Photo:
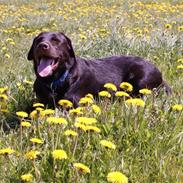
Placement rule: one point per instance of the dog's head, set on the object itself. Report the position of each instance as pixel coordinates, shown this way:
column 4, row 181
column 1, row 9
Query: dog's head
column 52, row 53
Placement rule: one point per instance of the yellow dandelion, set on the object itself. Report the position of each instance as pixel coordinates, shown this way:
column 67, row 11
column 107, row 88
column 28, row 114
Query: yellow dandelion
column 105, row 94
column 55, row 120
column 20, row 86
column 117, row 177
column 27, row 177
column 3, row 90
column 9, row 40
column 12, row 43
column 81, row 167
column 25, row 124
column 177, row 107
column 3, row 97
column 86, row 120
column 103, row 30
column 145, row 91
column 92, row 129
column 79, row 125
column 96, row 109
column 168, row 26
column 86, row 100
column 174, row 22
column 180, row 66
column 34, row 114
column 121, row 94
column 136, row 102
column 32, row 154
column 126, row 86
column 4, row 110
column 22, row 114
column 89, row 95
column 39, row 109
column 4, row 48
column 65, row 103
column 180, row 28
column 36, row 140
column 59, row 154
column 28, row 82
column 110, row 86
column 77, row 111
column 180, row 60
column 146, row 30
column 155, row 57
column 38, row 105
column 82, row 36
column 70, row 133
column 108, row 144
column 6, row 151
column 7, row 56
column 47, row 112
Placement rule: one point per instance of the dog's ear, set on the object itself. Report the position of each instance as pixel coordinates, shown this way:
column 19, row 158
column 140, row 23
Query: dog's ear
column 71, row 50
column 69, row 44
column 30, row 53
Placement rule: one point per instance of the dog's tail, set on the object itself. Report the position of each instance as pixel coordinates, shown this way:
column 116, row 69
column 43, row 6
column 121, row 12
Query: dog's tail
column 167, row 88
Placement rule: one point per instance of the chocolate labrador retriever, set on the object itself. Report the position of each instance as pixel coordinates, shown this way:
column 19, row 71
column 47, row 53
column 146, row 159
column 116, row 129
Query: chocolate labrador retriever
column 62, row 75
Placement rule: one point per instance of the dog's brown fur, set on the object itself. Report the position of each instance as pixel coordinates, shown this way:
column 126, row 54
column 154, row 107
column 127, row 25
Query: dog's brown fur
column 53, row 56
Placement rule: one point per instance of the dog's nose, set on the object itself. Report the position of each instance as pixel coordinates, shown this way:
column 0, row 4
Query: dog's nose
column 44, row 45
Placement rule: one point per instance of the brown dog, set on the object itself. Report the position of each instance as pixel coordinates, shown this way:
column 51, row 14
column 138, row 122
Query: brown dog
column 60, row 74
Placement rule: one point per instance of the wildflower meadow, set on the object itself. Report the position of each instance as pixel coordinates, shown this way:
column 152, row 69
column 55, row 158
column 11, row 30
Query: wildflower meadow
column 116, row 138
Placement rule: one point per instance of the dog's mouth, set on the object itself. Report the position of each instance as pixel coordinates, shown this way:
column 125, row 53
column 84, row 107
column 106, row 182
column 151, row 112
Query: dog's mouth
column 46, row 66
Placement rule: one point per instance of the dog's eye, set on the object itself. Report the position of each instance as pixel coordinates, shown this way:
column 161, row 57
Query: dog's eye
column 39, row 39
column 55, row 40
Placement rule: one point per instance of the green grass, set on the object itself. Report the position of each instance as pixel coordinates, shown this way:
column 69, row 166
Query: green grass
column 149, row 140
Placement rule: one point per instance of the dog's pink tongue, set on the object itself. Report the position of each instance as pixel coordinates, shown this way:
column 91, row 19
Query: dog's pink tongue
column 45, row 67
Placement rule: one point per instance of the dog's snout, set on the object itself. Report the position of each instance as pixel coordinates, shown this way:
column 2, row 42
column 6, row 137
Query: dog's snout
column 44, row 46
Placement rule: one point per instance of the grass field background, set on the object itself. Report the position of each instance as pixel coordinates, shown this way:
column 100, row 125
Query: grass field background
column 148, row 139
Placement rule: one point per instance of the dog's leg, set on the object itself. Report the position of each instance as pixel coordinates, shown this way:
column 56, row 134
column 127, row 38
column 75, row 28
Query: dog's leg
column 74, row 98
